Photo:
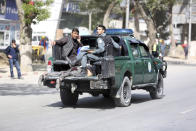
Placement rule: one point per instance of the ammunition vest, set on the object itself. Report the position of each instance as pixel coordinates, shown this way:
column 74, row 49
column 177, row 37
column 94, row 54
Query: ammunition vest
column 108, row 45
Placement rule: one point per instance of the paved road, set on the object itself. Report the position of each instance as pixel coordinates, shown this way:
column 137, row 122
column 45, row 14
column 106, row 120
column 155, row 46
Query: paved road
column 25, row 107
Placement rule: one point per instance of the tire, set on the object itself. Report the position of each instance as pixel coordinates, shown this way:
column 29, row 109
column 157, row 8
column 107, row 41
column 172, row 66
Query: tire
column 158, row 92
column 106, row 95
column 68, row 98
column 124, row 93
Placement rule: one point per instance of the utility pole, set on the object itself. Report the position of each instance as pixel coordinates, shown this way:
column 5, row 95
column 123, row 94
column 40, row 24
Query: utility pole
column 127, row 14
column 90, row 21
column 190, row 24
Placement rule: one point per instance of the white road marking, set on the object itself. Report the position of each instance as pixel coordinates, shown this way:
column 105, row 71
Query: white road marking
column 187, row 111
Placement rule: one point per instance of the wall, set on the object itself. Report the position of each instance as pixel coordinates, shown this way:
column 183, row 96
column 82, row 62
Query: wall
column 49, row 26
column 9, row 24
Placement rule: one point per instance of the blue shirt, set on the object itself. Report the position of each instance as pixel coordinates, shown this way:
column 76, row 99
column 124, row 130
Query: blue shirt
column 12, row 51
column 44, row 44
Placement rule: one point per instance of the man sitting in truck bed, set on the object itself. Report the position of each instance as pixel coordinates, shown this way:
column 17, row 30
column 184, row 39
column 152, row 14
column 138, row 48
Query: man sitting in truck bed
column 95, row 55
column 69, row 46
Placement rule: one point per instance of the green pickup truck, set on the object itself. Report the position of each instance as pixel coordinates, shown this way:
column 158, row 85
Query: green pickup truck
column 132, row 67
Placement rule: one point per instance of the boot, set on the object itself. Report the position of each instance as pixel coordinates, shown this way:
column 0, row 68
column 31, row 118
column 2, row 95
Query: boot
column 83, row 71
column 73, row 63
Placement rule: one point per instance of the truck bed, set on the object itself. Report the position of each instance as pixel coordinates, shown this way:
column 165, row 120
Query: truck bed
column 86, row 78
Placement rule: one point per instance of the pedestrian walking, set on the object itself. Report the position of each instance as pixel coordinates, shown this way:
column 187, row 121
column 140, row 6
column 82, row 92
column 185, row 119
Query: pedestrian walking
column 162, row 46
column 156, row 48
column 44, row 44
column 12, row 53
column 185, row 47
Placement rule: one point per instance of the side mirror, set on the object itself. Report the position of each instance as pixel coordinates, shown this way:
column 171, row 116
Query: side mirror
column 135, row 53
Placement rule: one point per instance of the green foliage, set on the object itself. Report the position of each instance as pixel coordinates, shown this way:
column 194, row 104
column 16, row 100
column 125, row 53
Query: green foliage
column 158, row 11
column 98, row 8
column 157, row 5
column 36, row 12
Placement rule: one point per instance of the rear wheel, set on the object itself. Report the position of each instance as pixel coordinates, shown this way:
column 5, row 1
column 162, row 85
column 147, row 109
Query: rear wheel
column 158, row 92
column 67, row 97
column 124, row 93
column 106, row 95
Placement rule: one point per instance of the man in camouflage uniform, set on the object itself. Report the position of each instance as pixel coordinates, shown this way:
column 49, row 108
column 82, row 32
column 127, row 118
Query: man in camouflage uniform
column 97, row 54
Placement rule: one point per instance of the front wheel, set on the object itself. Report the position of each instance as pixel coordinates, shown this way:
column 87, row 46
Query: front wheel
column 158, row 92
column 124, row 92
column 68, row 98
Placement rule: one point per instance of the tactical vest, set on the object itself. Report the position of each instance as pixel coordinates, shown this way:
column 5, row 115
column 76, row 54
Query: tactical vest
column 154, row 47
column 108, row 45
column 67, row 47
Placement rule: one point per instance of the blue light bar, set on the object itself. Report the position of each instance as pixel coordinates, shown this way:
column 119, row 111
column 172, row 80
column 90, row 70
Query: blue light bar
column 118, row 32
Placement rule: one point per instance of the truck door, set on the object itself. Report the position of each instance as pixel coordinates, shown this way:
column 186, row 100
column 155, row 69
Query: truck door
column 148, row 68
column 138, row 65
column 122, row 62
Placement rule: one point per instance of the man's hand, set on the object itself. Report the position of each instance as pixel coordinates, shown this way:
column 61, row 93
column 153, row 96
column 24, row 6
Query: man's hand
column 14, row 45
column 9, row 56
column 90, row 51
column 53, row 43
column 79, row 39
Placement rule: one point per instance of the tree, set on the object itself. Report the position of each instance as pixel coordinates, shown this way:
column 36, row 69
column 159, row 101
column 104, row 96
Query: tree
column 108, row 11
column 170, row 6
column 101, row 10
column 30, row 12
column 135, row 13
column 155, row 13
column 149, row 22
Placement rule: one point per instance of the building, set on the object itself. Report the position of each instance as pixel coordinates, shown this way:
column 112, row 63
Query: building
column 9, row 24
column 72, row 16
column 181, row 18
column 65, row 14
column 184, row 15
column 48, row 27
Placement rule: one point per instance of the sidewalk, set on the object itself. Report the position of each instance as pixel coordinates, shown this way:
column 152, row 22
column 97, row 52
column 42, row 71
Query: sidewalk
column 179, row 61
column 28, row 78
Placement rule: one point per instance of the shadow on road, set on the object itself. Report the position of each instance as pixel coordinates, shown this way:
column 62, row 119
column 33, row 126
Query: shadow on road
column 96, row 102
column 2, row 70
column 101, row 102
column 140, row 98
column 88, row 102
column 24, row 89
column 39, row 67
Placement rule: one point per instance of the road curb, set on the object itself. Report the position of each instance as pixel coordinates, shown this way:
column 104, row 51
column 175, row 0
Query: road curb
column 181, row 62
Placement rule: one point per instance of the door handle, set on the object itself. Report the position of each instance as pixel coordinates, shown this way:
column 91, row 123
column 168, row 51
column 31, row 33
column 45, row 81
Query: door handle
column 145, row 62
